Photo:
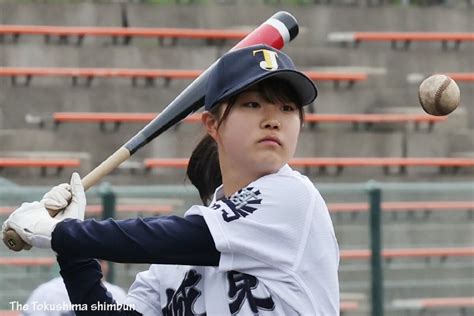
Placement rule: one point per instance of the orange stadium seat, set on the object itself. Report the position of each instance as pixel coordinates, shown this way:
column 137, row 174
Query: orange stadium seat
column 349, row 306
column 95, row 209
column 127, row 208
column 461, row 76
column 341, row 163
column 355, row 119
column 43, row 163
column 362, row 254
column 417, row 78
column 404, row 206
column 401, row 206
column 337, row 77
column 353, row 254
column 113, row 118
column 368, row 119
column 28, row 261
column 404, row 37
column 334, row 208
column 88, row 74
column 424, row 304
column 10, row 313
column 64, row 32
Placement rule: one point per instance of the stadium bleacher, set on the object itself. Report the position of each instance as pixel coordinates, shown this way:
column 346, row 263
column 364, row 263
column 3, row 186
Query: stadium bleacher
column 148, row 75
column 367, row 120
column 340, row 163
column 63, row 33
column 425, row 304
column 416, row 78
column 405, row 38
column 43, row 163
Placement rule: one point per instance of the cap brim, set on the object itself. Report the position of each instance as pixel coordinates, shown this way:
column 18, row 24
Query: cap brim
column 302, row 84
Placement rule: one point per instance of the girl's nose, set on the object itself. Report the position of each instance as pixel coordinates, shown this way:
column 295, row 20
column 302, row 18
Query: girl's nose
column 270, row 117
column 271, row 124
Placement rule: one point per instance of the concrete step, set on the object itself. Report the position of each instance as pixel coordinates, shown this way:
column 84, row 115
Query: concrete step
column 126, row 177
column 140, row 55
column 318, row 19
column 408, row 235
column 85, row 14
column 345, row 143
column 44, row 100
column 180, row 142
column 61, row 143
column 408, row 270
column 416, row 288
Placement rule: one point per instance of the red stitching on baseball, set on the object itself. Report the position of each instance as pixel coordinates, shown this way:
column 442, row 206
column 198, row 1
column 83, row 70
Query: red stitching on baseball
column 440, row 91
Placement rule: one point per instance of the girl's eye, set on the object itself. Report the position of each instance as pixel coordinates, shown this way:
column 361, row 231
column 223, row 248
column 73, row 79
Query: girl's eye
column 288, row 108
column 251, row 105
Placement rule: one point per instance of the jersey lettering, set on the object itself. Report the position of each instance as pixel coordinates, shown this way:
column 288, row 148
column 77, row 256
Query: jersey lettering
column 240, row 291
column 240, row 204
column 181, row 301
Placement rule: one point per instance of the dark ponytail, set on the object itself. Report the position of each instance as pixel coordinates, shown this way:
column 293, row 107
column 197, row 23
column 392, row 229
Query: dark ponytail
column 204, row 170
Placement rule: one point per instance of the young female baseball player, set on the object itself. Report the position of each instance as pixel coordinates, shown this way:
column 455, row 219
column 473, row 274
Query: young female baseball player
column 262, row 243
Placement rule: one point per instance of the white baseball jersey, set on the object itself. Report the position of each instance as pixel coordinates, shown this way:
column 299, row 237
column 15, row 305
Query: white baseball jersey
column 279, row 256
column 51, row 299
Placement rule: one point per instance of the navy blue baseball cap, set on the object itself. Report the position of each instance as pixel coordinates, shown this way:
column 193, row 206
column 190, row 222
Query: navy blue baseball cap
column 237, row 70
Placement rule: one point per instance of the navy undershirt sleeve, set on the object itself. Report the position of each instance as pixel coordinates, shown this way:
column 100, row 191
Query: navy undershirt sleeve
column 160, row 240
column 88, row 295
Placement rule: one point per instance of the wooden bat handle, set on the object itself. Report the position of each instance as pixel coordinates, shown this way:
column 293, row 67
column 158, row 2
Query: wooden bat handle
column 109, row 164
column 13, row 241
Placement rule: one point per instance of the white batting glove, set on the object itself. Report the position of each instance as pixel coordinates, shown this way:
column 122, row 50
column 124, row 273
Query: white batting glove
column 32, row 222
column 67, row 197
column 58, row 197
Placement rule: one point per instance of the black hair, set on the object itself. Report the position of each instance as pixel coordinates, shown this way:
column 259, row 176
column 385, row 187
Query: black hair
column 203, row 169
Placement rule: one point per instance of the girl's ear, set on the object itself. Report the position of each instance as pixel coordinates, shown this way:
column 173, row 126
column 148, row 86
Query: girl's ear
column 210, row 124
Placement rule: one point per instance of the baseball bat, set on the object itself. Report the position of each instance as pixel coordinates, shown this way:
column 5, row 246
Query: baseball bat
column 278, row 30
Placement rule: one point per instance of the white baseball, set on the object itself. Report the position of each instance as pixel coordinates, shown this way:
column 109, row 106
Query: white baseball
column 439, row 95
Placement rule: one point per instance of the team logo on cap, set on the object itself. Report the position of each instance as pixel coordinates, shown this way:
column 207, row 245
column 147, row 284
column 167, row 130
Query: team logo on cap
column 269, row 59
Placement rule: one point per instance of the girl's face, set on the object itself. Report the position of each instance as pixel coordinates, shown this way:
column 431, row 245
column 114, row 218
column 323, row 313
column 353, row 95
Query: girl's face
column 258, row 137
